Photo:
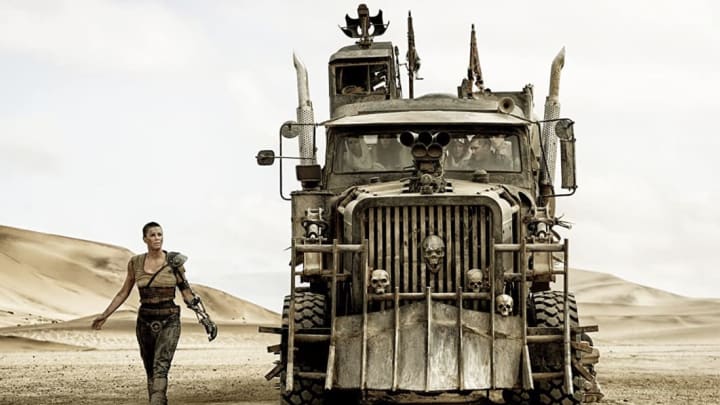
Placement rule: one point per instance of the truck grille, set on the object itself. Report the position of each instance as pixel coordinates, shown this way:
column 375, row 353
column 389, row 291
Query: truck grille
column 395, row 236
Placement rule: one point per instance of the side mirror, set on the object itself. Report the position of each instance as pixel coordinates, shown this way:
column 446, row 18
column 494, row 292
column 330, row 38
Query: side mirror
column 290, row 129
column 265, row 158
column 564, row 132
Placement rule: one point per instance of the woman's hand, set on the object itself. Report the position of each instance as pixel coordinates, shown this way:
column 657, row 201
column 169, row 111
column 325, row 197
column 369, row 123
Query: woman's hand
column 118, row 300
column 99, row 322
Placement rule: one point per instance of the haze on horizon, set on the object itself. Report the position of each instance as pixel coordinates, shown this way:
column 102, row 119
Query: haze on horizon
column 116, row 113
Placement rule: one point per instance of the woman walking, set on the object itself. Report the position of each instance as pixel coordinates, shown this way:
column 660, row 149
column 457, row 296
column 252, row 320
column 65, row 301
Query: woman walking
column 157, row 274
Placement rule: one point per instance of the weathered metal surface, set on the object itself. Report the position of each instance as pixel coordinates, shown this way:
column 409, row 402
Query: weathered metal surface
column 566, row 323
column 426, row 117
column 290, row 357
column 380, row 50
column 438, row 103
column 441, row 360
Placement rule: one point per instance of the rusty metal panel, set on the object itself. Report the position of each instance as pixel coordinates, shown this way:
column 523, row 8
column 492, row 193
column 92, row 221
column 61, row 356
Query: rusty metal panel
column 447, row 235
column 406, row 229
column 432, row 230
column 456, row 253
column 483, row 238
column 396, row 248
column 415, row 263
column 421, row 238
column 466, row 239
column 380, row 239
column 442, row 358
column 387, row 213
column 371, row 237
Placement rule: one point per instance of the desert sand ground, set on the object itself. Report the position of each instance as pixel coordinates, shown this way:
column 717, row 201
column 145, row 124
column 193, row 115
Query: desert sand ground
column 232, row 373
column 656, row 347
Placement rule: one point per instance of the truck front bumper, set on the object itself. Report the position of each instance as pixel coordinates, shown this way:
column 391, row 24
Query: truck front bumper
column 427, row 347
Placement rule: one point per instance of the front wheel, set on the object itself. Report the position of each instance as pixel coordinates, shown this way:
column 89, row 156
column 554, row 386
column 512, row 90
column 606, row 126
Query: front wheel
column 549, row 311
column 310, row 312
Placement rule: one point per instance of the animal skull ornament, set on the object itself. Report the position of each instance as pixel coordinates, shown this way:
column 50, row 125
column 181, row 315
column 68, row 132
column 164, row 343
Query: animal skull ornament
column 474, row 280
column 504, row 304
column 379, row 281
column 433, row 252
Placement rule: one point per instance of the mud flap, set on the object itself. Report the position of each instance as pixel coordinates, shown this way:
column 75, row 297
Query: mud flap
column 432, row 365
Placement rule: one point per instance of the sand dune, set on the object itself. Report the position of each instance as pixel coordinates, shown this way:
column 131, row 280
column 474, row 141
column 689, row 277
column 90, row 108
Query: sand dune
column 23, row 344
column 592, row 286
column 50, row 278
column 631, row 313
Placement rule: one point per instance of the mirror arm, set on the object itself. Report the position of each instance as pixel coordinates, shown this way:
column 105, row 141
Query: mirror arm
column 564, row 195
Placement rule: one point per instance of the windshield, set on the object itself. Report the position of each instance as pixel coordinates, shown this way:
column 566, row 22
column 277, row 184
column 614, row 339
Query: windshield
column 495, row 151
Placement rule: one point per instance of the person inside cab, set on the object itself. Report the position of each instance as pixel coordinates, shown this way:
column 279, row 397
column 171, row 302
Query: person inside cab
column 484, row 156
column 458, row 152
column 391, row 154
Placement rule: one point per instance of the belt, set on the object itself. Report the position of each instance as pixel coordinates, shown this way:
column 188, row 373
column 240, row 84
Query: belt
column 156, row 294
column 159, row 311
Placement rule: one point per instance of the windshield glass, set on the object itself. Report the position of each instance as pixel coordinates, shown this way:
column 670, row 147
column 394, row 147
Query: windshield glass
column 495, row 151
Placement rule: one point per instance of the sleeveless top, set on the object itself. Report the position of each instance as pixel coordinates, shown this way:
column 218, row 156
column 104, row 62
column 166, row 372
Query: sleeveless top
column 165, row 278
column 162, row 289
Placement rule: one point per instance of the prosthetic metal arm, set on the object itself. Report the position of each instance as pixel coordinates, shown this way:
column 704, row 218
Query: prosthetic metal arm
column 196, row 305
column 176, row 260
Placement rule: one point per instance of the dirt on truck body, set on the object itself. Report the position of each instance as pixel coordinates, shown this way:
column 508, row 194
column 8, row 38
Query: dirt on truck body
column 424, row 248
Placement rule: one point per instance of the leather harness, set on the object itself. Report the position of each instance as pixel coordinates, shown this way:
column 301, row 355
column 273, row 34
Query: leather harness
column 157, row 301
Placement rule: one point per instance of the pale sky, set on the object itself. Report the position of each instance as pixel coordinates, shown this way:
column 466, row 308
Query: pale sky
column 115, row 113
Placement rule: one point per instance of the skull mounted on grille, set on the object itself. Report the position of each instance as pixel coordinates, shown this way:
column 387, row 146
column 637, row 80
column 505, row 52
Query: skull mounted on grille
column 379, row 281
column 434, row 252
column 504, row 304
column 475, row 280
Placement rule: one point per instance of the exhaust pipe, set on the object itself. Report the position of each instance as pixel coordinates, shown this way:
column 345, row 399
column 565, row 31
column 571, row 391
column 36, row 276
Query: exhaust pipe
column 552, row 111
column 305, row 115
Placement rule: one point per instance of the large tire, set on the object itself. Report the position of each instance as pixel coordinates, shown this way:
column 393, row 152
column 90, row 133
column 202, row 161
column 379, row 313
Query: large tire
column 549, row 312
column 518, row 397
column 310, row 310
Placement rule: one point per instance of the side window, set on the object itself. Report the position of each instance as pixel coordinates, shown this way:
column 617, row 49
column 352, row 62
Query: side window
column 378, row 78
column 361, row 79
column 351, row 80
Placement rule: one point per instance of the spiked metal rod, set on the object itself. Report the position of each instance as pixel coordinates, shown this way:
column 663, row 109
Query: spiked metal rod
column 413, row 60
column 474, row 65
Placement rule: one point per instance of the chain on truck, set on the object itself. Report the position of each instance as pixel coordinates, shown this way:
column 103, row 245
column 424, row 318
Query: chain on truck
column 425, row 248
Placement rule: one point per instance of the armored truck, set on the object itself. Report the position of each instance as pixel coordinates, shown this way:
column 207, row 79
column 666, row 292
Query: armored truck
column 425, row 263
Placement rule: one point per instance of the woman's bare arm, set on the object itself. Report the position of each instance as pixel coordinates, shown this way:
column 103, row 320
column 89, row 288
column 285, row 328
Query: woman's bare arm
column 118, row 300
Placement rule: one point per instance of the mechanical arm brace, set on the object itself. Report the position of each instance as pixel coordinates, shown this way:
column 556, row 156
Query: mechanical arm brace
column 176, row 260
